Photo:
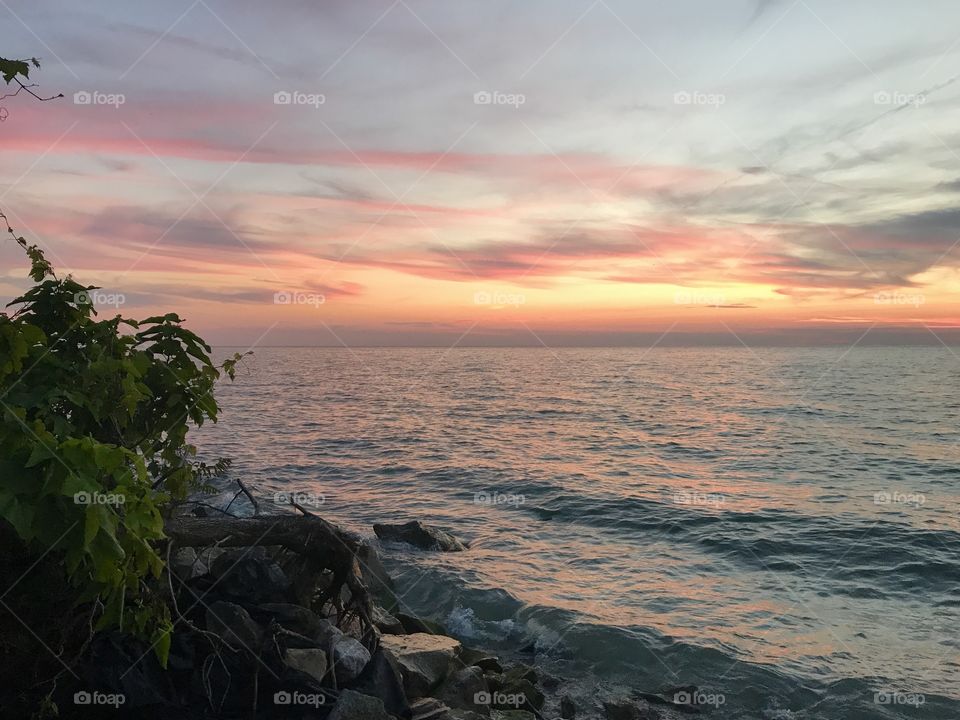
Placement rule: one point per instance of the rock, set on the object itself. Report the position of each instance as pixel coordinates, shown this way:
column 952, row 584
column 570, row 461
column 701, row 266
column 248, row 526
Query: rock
column 521, row 672
column 381, row 678
column 419, row 535
column 386, row 623
column 413, row 624
column 294, row 617
column 312, row 661
column 374, row 574
column 116, row 663
column 350, row 657
column 568, row 708
column 487, row 663
column 530, row 698
column 454, row 714
column 355, row 706
column 626, row 710
column 429, row 709
column 512, row 715
column 249, row 576
column 424, row 660
column 466, row 689
column 232, row 624
column 183, row 564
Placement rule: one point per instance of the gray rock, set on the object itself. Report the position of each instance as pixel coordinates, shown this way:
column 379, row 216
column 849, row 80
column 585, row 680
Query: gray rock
column 413, row 624
column 349, row 659
column 232, row 624
column 568, row 708
column 512, row 715
column 533, row 699
column 294, row 617
column 184, row 564
column 627, row 710
column 429, row 709
column 248, row 575
column 382, row 679
column 465, row 689
column 386, row 623
column 312, row 661
column 355, row 706
column 424, row 660
column 419, row 535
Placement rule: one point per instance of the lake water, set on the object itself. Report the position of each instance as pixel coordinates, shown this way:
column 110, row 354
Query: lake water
column 776, row 526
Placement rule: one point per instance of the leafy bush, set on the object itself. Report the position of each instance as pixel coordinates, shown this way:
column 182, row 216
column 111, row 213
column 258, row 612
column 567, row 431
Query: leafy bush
column 94, row 417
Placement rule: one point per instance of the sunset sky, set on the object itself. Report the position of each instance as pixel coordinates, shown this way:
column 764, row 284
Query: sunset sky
column 575, row 172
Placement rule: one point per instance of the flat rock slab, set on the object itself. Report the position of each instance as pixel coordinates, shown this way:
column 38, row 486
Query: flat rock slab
column 424, row 660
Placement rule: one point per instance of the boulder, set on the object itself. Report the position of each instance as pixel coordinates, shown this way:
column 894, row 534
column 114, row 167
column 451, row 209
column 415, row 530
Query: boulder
column 568, row 708
column 232, row 624
column 531, row 697
column 248, row 575
column 466, row 689
column 185, row 564
column 413, row 624
column 386, row 623
column 429, row 709
column 627, row 710
column 424, row 660
column 295, row 618
column 419, row 535
column 382, row 679
column 312, row 661
column 350, row 657
column 487, row 663
column 352, row 705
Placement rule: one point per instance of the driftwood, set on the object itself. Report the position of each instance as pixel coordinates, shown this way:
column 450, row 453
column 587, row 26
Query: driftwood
column 323, row 545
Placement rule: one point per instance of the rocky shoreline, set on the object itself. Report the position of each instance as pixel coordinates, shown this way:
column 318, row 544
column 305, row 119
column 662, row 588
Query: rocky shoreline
column 259, row 637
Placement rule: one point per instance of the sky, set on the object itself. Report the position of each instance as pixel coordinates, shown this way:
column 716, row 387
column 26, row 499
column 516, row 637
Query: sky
column 551, row 172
